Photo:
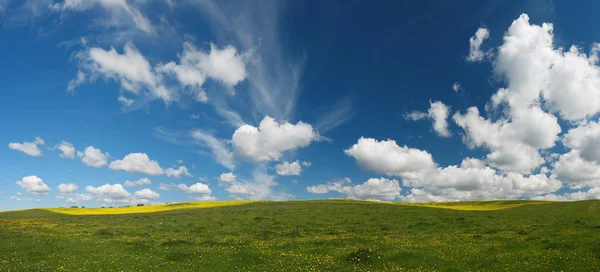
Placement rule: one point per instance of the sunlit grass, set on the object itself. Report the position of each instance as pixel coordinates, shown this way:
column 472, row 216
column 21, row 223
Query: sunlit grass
column 148, row 209
column 321, row 235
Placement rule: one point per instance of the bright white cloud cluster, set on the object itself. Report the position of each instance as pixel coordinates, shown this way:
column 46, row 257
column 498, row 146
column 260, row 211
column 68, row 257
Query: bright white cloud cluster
column 116, row 193
column 137, row 162
column 67, row 150
column 290, row 168
column 195, row 67
column 227, row 178
column 177, row 173
column 29, row 148
column 380, row 189
column 270, row 139
column 34, row 185
column 201, row 191
column 135, row 73
column 93, row 157
column 386, row 157
column 67, row 188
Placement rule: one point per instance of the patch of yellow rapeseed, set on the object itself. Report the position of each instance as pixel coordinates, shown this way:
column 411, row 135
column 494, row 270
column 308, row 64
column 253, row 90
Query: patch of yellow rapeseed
column 147, row 209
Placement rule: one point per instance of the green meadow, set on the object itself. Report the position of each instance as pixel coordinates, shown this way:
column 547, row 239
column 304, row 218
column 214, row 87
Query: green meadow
column 326, row 235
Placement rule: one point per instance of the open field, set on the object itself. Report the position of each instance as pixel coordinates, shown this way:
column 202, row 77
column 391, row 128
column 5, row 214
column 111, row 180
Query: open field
column 324, row 235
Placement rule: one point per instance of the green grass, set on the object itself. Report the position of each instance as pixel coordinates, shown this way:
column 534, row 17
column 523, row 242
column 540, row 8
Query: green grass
column 326, row 235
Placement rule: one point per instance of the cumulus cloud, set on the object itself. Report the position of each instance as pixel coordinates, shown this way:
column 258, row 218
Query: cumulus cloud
column 146, row 194
column 225, row 65
column 34, row 185
column 438, row 113
column 387, row 157
column 288, row 169
column 513, row 143
column 335, row 186
column 131, row 69
column 137, row 162
column 380, row 189
column 93, row 157
column 177, row 173
column 196, row 188
column 109, row 193
column 591, row 193
column 139, row 182
column 67, row 149
column 67, row 188
column 473, row 179
column 271, row 138
column 29, row 148
column 475, row 53
column 227, row 178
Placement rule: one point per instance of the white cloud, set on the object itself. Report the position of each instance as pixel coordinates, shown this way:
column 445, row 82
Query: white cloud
column 109, row 193
column 575, row 171
column 438, row 113
column 67, row 188
column 67, row 149
column 386, row 157
column 586, row 139
column 227, row 178
column 218, row 148
column 34, row 185
column 131, row 69
column 137, row 162
column 513, row 143
column 146, row 194
column 93, row 157
column 194, row 117
column 475, row 53
column 271, row 138
column 569, row 81
column 196, row 188
column 142, row 181
column 226, row 66
column 474, row 180
column 288, row 169
column 29, row 148
column 335, row 186
column 177, row 173
column 373, row 189
column 82, row 197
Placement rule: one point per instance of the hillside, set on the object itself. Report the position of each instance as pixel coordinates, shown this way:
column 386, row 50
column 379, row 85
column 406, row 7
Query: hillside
column 325, row 235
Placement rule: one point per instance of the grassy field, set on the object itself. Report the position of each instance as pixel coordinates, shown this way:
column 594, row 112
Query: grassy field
column 328, row 235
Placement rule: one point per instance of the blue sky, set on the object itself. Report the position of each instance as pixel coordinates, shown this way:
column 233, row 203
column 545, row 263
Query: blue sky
column 203, row 100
